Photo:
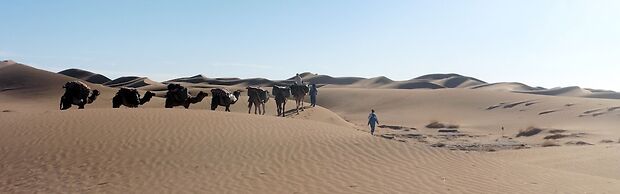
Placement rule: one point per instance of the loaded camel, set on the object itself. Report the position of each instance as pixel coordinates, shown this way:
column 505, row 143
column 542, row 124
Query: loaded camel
column 178, row 95
column 223, row 97
column 77, row 93
column 281, row 93
column 257, row 97
column 130, row 97
column 299, row 92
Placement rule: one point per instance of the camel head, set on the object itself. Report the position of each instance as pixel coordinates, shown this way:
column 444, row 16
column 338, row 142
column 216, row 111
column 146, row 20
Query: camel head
column 147, row 97
column 236, row 93
column 201, row 95
column 93, row 96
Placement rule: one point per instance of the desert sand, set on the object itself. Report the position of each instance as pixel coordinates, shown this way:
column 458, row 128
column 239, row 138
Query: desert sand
column 567, row 138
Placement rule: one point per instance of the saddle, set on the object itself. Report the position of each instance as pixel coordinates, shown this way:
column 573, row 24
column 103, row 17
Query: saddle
column 281, row 91
column 76, row 90
column 178, row 92
column 223, row 94
column 125, row 90
column 297, row 89
column 257, row 92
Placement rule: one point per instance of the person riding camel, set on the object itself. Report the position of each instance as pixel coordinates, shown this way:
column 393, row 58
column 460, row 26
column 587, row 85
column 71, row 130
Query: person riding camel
column 298, row 80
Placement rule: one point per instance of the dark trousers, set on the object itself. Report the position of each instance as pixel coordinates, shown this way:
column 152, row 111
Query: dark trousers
column 312, row 100
column 372, row 128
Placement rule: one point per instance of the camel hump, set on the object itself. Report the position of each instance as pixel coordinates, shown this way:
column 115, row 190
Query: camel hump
column 280, row 87
column 125, row 90
column 175, row 86
column 220, row 92
column 298, row 89
column 76, row 89
column 178, row 92
column 282, row 91
column 255, row 90
column 76, row 85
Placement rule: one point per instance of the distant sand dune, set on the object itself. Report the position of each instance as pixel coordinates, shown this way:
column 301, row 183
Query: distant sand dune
column 86, row 75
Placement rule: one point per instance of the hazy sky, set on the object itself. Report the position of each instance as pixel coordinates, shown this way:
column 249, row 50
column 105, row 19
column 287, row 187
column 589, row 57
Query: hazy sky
column 537, row 42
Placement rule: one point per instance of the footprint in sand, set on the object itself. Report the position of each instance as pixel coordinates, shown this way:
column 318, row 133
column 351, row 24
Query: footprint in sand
column 518, row 103
column 547, row 112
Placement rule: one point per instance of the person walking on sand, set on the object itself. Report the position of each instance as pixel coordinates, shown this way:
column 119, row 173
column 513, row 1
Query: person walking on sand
column 298, row 80
column 372, row 120
column 313, row 93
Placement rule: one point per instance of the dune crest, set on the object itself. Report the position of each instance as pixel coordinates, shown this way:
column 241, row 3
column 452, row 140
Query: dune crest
column 86, row 75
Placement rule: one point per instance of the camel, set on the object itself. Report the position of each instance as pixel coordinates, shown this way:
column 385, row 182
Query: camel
column 77, row 93
column 257, row 97
column 130, row 97
column 222, row 97
column 281, row 93
column 178, row 95
column 299, row 92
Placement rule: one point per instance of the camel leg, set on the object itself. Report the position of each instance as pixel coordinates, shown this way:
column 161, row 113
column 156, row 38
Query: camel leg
column 258, row 108
column 168, row 103
column 64, row 104
column 249, row 107
column 227, row 108
column 214, row 103
column 302, row 103
column 116, row 103
column 263, row 108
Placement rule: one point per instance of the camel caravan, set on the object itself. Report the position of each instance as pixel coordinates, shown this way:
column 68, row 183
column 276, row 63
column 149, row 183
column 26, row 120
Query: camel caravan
column 78, row 93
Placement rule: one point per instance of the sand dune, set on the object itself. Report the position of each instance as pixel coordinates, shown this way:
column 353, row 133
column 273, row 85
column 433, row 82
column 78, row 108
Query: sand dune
column 430, row 81
column 325, row 149
column 132, row 82
column 194, row 79
column 199, row 151
column 479, row 112
column 451, row 80
column 505, row 87
column 573, row 91
column 22, row 81
column 86, row 75
column 414, row 84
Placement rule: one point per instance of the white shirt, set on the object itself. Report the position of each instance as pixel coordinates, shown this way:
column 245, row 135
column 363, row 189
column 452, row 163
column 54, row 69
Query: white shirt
column 298, row 80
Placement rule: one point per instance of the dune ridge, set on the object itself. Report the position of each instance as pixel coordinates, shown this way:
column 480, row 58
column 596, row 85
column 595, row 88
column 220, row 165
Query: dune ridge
column 86, row 76
column 430, row 81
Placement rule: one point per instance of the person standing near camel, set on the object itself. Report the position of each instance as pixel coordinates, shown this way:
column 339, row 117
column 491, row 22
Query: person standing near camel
column 313, row 93
column 372, row 120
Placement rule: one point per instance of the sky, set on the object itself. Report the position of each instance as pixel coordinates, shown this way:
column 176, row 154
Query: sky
column 548, row 43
